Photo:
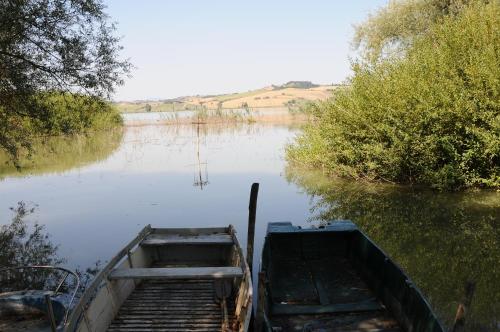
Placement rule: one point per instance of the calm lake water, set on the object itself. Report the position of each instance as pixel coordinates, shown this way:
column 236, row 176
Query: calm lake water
column 94, row 194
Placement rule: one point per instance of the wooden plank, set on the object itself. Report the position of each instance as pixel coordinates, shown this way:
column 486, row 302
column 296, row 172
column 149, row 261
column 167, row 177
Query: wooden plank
column 190, row 231
column 193, row 312
column 168, row 239
column 295, row 309
column 178, row 273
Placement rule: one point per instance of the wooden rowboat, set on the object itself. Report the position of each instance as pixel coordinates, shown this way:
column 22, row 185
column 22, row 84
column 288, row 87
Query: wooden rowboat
column 334, row 278
column 170, row 280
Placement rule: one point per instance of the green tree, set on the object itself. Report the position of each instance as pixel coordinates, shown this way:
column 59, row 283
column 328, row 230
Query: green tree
column 393, row 28
column 431, row 116
column 52, row 46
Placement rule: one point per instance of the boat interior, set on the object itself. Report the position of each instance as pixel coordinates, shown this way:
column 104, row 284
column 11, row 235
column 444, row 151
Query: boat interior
column 335, row 281
column 172, row 280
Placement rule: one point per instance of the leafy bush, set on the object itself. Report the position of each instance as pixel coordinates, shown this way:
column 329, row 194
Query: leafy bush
column 430, row 117
column 57, row 114
column 70, row 114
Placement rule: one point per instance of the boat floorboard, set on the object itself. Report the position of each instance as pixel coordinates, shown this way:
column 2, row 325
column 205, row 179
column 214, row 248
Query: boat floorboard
column 354, row 322
column 172, row 305
column 311, row 293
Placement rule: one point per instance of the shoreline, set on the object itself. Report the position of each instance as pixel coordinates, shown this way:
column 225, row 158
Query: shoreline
column 274, row 117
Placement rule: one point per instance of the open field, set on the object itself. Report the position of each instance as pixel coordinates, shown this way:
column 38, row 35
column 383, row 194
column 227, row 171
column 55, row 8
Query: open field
column 289, row 95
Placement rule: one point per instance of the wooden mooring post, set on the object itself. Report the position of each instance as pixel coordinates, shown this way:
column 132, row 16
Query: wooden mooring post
column 252, row 210
column 463, row 307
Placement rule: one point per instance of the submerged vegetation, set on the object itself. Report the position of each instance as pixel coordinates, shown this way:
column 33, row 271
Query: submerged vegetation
column 423, row 104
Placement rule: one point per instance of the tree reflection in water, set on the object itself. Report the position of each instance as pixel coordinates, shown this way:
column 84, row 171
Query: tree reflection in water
column 62, row 153
column 26, row 244
column 442, row 240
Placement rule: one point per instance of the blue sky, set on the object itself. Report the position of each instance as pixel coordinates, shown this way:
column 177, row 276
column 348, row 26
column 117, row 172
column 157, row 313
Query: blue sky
column 209, row 47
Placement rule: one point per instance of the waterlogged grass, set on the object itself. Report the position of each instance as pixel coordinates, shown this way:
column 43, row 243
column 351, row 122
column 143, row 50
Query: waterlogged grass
column 61, row 153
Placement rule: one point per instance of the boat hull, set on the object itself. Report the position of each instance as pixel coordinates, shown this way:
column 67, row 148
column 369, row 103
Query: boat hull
column 335, row 278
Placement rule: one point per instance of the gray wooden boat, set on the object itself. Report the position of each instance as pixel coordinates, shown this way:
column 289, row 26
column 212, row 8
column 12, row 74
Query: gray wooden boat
column 170, row 280
column 334, row 278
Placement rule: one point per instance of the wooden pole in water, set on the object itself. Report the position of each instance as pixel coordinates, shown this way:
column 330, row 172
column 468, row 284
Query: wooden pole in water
column 261, row 302
column 252, row 209
column 463, row 307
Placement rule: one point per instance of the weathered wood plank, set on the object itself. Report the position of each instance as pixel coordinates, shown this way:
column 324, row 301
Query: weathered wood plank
column 193, row 311
column 170, row 239
column 295, row 309
column 178, row 273
column 190, row 231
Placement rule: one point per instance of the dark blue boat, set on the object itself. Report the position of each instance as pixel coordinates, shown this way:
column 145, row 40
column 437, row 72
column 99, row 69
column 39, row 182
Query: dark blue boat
column 35, row 310
column 334, row 278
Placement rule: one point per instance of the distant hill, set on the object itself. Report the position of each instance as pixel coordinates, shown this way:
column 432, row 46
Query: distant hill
column 297, row 84
column 292, row 93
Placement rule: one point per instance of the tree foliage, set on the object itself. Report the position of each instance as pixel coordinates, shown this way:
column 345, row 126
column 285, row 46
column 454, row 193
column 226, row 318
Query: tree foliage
column 64, row 46
column 394, row 28
column 430, row 117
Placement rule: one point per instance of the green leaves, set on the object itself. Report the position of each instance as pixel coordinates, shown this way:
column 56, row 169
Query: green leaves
column 429, row 117
column 53, row 45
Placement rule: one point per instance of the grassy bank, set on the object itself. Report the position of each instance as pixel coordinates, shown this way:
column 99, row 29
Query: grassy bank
column 430, row 116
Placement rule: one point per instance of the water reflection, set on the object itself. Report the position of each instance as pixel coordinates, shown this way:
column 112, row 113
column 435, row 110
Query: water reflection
column 200, row 178
column 93, row 198
column 93, row 210
column 442, row 240
column 59, row 154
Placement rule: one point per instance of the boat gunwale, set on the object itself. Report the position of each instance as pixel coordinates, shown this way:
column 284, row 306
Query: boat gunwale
column 341, row 226
column 89, row 294
column 90, row 291
column 247, row 274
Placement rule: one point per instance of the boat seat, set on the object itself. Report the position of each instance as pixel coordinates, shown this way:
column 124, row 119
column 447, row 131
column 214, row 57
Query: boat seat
column 178, row 273
column 166, row 239
column 299, row 309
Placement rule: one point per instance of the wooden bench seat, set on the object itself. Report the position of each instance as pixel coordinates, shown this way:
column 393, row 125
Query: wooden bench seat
column 298, row 309
column 166, row 239
column 177, row 273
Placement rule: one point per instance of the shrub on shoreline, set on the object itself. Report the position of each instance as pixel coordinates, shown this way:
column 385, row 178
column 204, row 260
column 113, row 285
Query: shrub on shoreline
column 431, row 117
column 72, row 114
column 57, row 114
